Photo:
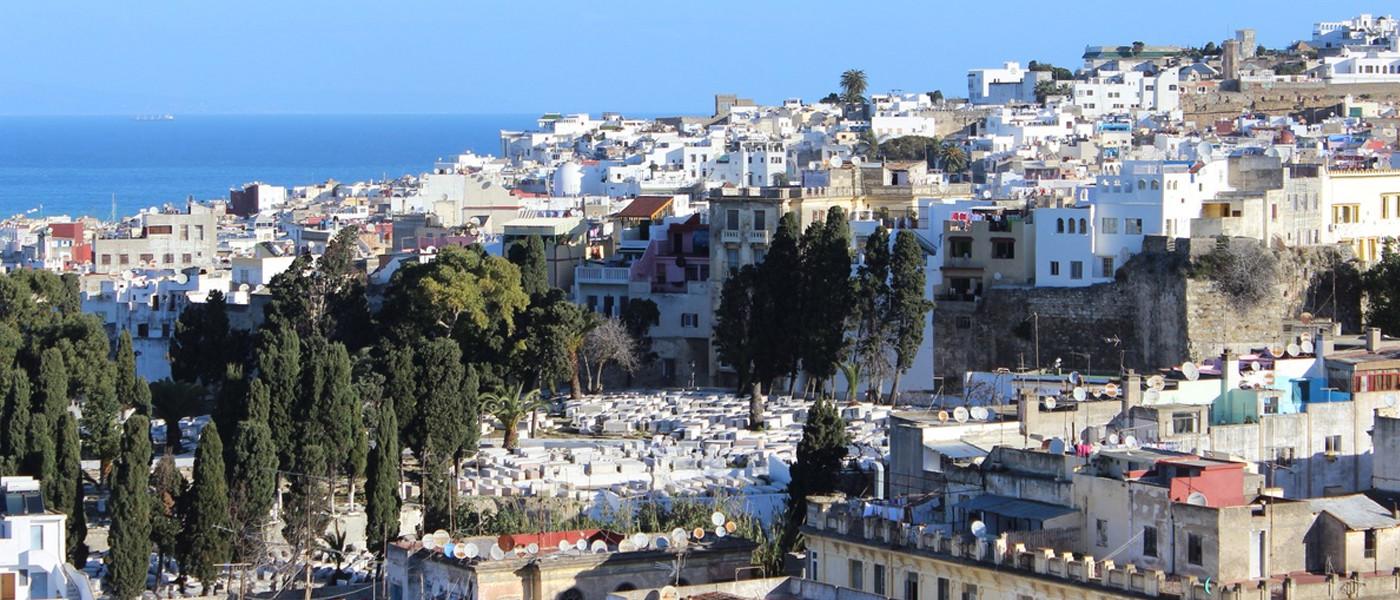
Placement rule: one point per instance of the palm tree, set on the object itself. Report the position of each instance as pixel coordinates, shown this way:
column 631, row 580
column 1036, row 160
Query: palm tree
column 954, row 159
column 510, row 407
column 335, row 545
column 853, row 86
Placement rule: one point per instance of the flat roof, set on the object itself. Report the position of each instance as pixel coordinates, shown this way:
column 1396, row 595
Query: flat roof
column 1014, row 507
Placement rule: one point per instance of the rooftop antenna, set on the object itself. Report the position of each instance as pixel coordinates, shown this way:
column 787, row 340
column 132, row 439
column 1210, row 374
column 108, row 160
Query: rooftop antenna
column 114, row 207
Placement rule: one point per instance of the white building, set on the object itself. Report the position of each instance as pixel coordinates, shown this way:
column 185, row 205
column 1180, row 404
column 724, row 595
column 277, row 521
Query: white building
column 1009, row 84
column 1363, row 65
column 33, row 550
column 1128, row 92
column 1361, row 30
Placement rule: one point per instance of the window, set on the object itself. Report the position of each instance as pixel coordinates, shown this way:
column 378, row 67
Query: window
column 1003, row 248
column 167, row 258
column 857, row 572
column 812, row 568
column 1333, row 444
column 36, row 537
column 690, row 320
column 1132, row 226
column 731, row 219
column 125, row 259
column 960, row 247
column 878, row 580
column 969, row 591
column 1059, row 225
column 1193, row 549
column 1110, row 225
column 1149, row 541
column 1183, row 422
column 1055, row 267
column 186, row 258
column 1370, row 543
column 760, row 220
column 1107, row 266
column 1083, row 228
column 1071, row 225
column 1076, row 269
column 1101, row 533
column 106, row 259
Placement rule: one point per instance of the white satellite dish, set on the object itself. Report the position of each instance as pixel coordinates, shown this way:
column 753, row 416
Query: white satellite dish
column 1276, row 351
column 1130, row 441
column 1157, row 382
column 519, row 551
column 1197, row 499
column 1151, row 396
column 430, row 542
column 678, row 538
column 960, row 414
column 979, row 413
column 1255, row 366
column 1190, row 370
column 1075, row 377
column 1307, row 347
column 642, row 541
column 626, row 546
column 1049, row 402
column 565, row 546
column 472, row 550
column 1113, row 439
column 670, row 593
column 1293, row 349
column 717, row 519
column 720, row 532
column 942, row 416
column 442, row 537
column 835, row 162
column 979, row 529
column 1057, row 446
column 581, row 545
column 1079, row 394
column 497, row 553
column 856, row 161
column 459, row 551
column 599, row 546
column 532, row 549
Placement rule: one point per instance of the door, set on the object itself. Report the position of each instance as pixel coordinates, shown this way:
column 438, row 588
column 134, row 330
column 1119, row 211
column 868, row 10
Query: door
column 7, row 587
column 1256, row 555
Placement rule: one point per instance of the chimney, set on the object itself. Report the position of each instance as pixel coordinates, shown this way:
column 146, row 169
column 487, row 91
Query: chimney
column 1373, row 339
column 1132, row 390
column 1229, row 371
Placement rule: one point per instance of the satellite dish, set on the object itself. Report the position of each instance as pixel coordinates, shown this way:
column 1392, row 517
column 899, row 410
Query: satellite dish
column 1307, row 347
column 979, row 413
column 720, row 532
column 856, row 161
column 441, row 537
column 1079, row 394
column 942, row 416
column 532, row 549
column 730, row 527
column 472, row 550
column 1190, row 370
column 1157, row 382
column 997, row 275
column 519, row 551
column 661, row 542
column 459, row 551
column 1293, row 349
column 1151, row 396
column 1075, row 377
column 599, row 546
column 979, row 529
column 642, row 541
column 835, row 162
column 449, row 549
column 1276, row 351
column 626, row 546
column 1130, row 441
column 1057, row 446
column 1255, row 366
column 497, row 553
column 581, row 545
column 1197, row 499
column 565, row 546
column 1049, row 403
column 960, row 414
column 717, row 519
column 1113, row 439
column 430, row 542
column 1110, row 389
column 670, row 593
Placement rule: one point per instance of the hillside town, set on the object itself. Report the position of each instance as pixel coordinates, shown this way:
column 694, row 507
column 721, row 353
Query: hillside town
column 1122, row 329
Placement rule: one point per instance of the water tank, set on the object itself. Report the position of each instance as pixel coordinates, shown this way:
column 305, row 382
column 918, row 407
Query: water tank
column 568, row 179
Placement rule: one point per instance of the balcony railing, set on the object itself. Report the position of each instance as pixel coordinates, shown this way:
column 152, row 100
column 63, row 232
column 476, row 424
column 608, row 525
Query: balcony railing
column 730, row 236
column 758, row 237
column 602, row 274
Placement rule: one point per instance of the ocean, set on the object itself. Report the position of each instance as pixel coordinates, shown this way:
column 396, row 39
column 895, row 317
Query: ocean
column 74, row 165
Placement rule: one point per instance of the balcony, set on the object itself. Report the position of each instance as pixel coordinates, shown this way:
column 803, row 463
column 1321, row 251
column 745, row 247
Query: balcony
column 605, row 275
column 758, row 237
column 731, row 236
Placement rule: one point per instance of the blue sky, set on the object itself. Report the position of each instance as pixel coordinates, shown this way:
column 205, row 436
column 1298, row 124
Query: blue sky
column 463, row 56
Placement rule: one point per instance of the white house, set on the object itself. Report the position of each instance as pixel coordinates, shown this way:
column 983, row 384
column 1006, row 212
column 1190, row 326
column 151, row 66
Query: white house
column 1363, row 66
column 1130, row 92
column 1006, row 85
column 1361, row 30
column 33, row 546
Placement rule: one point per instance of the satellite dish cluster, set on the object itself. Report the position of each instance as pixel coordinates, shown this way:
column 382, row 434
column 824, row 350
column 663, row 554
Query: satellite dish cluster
column 505, row 546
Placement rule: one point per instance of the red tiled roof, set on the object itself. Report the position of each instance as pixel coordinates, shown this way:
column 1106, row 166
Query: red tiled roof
column 645, row 207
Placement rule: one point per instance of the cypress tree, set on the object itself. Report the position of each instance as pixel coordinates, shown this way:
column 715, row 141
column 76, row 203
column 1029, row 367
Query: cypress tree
column 207, row 522
column 778, row 286
column 14, row 445
column 169, row 488
column 130, row 535
column 69, row 497
column 437, row 490
column 42, row 463
column 907, row 306
column 381, row 485
column 528, row 254
column 132, row 390
column 871, row 311
column 400, row 386
column 53, row 384
column 259, row 402
column 141, row 396
column 303, row 517
column 336, row 410
column 278, row 359
column 100, row 412
column 827, row 273
column 253, row 477
column 819, row 458
column 77, row 526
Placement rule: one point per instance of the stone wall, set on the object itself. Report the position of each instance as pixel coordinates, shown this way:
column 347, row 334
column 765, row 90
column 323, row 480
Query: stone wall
column 1277, row 98
column 1155, row 314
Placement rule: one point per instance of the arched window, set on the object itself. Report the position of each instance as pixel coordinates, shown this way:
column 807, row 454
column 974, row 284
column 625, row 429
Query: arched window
column 1154, row 185
column 1071, row 225
column 1142, row 184
column 1082, row 228
column 1059, row 225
